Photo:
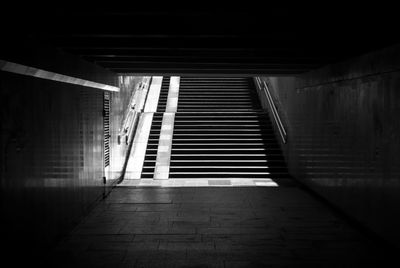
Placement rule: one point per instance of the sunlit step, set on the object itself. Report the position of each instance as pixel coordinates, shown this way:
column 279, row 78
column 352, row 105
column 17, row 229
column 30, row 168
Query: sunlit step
column 219, row 161
column 237, row 146
column 273, row 176
column 214, row 82
column 232, row 113
column 213, row 102
column 218, row 170
column 223, row 113
column 216, row 94
column 218, row 129
column 271, row 163
column 227, row 122
column 219, row 144
column 221, row 173
column 176, row 150
column 224, row 140
column 205, row 145
column 200, row 110
column 216, row 107
column 230, row 88
column 223, row 161
column 218, row 118
column 221, row 126
column 183, row 99
column 221, row 134
column 224, row 155
column 221, row 167
column 213, row 78
column 215, row 99
column 262, row 136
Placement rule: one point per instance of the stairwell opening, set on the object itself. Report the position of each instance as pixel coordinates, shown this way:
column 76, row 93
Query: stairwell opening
column 204, row 132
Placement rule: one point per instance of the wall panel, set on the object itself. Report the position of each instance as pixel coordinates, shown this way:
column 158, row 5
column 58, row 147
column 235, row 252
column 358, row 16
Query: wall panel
column 51, row 155
column 344, row 136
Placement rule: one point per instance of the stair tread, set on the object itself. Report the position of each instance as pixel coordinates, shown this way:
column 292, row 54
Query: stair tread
column 222, row 167
column 225, row 173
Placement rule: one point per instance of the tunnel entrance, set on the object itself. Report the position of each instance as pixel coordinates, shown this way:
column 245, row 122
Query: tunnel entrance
column 204, row 131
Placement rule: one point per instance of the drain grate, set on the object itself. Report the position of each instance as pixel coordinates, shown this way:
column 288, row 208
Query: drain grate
column 219, row 182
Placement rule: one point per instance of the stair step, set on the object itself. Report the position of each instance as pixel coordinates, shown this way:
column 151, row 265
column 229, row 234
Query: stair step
column 229, row 162
column 202, row 169
column 220, row 126
column 233, row 146
column 219, row 144
column 219, row 134
column 214, row 128
column 233, row 140
column 212, row 150
column 223, row 156
column 244, row 175
column 219, row 122
column 206, row 135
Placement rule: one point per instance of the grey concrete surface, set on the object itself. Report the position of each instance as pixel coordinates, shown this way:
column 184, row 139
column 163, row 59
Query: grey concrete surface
column 216, row 227
column 343, row 129
column 51, row 144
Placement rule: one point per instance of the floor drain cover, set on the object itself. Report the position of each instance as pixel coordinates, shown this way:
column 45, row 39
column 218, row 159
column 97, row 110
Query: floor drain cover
column 219, row 182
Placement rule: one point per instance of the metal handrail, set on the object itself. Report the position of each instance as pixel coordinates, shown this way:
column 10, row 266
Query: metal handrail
column 131, row 119
column 274, row 111
column 132, row 130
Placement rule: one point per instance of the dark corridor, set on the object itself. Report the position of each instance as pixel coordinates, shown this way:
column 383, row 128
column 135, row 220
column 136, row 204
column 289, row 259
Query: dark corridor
column 215, row 136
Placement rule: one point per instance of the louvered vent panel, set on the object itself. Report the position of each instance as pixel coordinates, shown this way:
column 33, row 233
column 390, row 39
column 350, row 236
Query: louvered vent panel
column 106, row 123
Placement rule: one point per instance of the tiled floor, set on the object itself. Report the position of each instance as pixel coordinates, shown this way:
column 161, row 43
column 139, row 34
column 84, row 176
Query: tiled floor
column 215, row 227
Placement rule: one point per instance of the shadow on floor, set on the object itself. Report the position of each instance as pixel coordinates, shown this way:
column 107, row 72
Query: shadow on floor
column 215, row 227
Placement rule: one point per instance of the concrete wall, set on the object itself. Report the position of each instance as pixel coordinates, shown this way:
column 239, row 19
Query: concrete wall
column 51, row 160
column 344, row 135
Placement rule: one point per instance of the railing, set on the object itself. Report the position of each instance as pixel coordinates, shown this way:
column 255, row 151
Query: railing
column 263, row 86
column 131, row 119
column 133, row 128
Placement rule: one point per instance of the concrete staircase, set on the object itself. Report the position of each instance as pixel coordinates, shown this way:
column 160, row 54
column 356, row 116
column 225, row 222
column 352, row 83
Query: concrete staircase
column 152, row 145
column 220, row 131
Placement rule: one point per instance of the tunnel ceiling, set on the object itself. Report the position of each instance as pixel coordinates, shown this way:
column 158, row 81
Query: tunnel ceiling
column 239, row 40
